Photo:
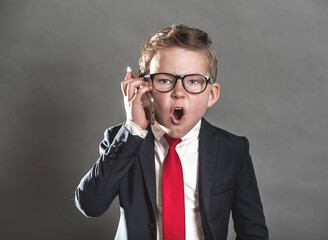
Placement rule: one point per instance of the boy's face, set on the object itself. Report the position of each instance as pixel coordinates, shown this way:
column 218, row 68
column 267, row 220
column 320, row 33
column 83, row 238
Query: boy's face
column 178, row 111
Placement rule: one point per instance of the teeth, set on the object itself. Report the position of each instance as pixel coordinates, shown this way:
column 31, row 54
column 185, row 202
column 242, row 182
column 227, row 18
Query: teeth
column 178, row 108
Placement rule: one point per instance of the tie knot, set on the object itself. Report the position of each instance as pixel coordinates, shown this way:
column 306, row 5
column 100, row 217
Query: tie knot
column 172, row 141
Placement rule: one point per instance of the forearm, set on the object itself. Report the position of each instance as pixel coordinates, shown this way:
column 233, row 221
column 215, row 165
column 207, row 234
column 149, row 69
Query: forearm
column 99, row 187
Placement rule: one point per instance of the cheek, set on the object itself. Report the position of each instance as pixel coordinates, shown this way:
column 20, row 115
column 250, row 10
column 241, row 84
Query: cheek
column 160, row 101
column 201, row 102
column 206, row 101
column 202, row 105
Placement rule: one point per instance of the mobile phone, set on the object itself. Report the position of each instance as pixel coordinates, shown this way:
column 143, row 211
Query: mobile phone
column 148, row 103
column 151, row 109
column 149, row 106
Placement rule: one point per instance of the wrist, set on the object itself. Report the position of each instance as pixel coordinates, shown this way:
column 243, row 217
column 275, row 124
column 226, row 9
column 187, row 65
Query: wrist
column 135, row 129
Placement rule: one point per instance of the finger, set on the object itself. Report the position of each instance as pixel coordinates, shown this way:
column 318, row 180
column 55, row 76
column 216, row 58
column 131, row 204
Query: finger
column 133, row 87
column 141, row 92
column 129, row 70
column 124, row 85
column 133, row 75
column 128, row 76
column 126, row 82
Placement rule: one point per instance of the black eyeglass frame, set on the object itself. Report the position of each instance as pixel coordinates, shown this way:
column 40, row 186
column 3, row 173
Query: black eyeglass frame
column 177, row 77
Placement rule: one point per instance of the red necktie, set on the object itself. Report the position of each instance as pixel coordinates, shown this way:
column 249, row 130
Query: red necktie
column 173, row 194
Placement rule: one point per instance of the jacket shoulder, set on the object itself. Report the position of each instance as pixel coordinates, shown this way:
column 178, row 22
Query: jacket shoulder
column 223, row 134
column 227, row 142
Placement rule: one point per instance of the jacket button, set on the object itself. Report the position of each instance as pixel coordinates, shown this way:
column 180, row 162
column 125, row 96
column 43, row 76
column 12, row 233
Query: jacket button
column 112, row 155
column 116, row 150
column 151, row 226
column 119, row 144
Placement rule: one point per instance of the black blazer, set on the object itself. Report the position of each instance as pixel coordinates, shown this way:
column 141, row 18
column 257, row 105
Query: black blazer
column 126, row 168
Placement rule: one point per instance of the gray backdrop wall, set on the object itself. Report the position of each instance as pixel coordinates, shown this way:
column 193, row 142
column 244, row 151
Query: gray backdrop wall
column 61, row 65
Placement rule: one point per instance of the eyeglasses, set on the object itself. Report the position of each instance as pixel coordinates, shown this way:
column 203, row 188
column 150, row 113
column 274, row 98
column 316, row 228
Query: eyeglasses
column 192, row 83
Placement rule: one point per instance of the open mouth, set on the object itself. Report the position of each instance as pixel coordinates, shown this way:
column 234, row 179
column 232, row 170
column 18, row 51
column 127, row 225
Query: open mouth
column 178, row 113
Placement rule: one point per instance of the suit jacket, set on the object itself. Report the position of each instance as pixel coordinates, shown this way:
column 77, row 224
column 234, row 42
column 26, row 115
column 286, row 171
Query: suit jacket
column 126, row 168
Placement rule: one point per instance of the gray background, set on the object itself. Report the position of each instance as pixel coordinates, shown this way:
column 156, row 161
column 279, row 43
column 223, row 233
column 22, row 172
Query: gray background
column 61, row 66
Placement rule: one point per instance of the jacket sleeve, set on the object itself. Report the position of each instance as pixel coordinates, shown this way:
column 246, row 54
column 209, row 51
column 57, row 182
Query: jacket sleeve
column 247, row 210
column 101, row 184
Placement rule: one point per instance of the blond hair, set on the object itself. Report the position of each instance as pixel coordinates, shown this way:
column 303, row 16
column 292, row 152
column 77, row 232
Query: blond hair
column 178, row 36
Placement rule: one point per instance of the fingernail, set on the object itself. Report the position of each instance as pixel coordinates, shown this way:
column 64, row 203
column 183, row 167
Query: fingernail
column 129, row 69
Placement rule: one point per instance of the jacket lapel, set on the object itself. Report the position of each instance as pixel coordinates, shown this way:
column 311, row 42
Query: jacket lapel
column 147, row 162
column 208, row 144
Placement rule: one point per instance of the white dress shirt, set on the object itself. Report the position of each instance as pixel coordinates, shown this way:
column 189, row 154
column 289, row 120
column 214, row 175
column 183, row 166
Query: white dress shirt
column 188, row 153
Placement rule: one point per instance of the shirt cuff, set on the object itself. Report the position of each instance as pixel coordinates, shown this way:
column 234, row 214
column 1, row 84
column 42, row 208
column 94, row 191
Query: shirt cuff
column 134, row 129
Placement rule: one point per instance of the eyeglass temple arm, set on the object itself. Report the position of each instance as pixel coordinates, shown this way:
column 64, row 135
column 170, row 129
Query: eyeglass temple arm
column 145, row 77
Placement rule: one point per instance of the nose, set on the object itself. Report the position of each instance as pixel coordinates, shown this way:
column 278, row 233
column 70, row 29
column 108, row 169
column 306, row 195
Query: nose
column 179, row 91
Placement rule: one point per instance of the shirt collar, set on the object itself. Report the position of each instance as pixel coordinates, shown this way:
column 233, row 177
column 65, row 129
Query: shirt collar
column 192, row 134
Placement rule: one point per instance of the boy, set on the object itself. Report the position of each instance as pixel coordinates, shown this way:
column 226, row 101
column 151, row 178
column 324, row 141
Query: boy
column 181, row 177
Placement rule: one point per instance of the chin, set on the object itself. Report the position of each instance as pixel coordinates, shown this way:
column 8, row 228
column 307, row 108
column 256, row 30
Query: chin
column 178, row 131
column 175, row 130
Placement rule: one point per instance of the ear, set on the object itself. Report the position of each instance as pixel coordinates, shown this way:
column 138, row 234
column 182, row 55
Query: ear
column 214, row 94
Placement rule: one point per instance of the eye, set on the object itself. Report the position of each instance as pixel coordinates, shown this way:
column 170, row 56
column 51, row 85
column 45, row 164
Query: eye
column 193, row 82
column 164, row 81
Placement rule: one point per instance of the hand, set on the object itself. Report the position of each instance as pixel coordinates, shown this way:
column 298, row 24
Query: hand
column 133, row 89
